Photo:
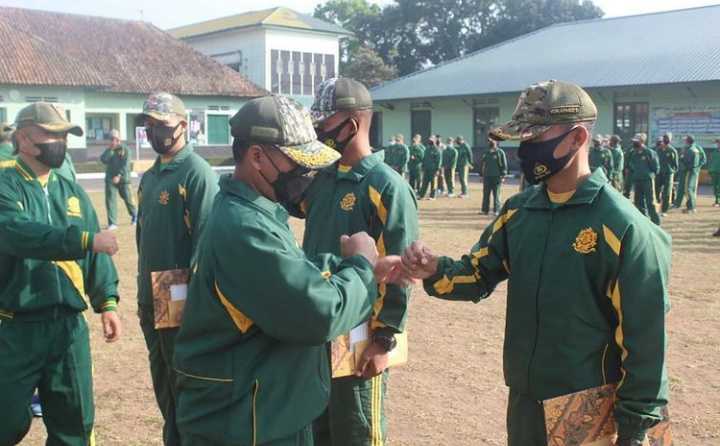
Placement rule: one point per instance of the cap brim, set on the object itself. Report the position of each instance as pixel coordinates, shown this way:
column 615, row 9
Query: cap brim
column 62, row 128
column 313, row 155
column 516, row 131
column 164, row 117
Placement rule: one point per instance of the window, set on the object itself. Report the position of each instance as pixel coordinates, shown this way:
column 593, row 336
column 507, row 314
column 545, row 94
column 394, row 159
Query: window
column 67, row 115
column 98, row 126
column 307, row 66
column 630, row 119
column 421, row 123
column 299, row 74
column 196, row 127
column 285, row 74
column 274, row 71
column 3, row 114
column 296, row 73
column 484, row 119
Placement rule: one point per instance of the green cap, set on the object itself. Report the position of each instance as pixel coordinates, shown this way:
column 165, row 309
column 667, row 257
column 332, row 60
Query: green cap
column 543, row 105
column 49, row 117
column 163, row 106
column 339, row 94
column 282, row 122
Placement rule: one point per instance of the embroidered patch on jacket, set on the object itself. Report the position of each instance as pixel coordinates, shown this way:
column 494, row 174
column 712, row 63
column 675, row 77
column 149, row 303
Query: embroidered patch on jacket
column 586, row 241
column 348, row 202
column 540, row 170
column 73, row 207
column 164, row 197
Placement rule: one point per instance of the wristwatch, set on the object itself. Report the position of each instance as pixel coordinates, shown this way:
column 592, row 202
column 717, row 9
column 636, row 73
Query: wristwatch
column 385, row 339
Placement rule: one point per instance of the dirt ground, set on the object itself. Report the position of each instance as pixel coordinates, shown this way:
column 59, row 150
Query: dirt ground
column 451, row 392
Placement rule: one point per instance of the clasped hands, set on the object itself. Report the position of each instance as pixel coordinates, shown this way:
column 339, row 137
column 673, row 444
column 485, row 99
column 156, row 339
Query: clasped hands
column 417, row 262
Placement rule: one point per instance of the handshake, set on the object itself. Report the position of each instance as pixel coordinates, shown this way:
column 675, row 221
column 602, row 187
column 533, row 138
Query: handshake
column 417, row 262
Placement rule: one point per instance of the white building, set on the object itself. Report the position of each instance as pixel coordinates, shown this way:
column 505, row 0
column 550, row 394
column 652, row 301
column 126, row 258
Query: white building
column 278, row 49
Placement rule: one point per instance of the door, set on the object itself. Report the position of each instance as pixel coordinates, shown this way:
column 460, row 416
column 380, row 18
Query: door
column 484, row 119
column 218, row 130
column 421, row 123
column 376, row 130
column 631, row 118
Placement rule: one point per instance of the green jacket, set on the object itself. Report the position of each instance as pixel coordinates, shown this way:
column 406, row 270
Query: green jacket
column 67, row 170
column 401, row 157
column 602, row 157
column 365, row 198
column 643, row 165
column 6, row 152
column 714, row 163
column 587, row 296
column 46, row 238
column 432, row 160
column 494, row 163
column 668, row 159
column 692, row 158
column 117, row 162
column 465, row 156
column 618, row 161
column 174, row 202
column 259, row 314
column 417, row 153
column 449, row 157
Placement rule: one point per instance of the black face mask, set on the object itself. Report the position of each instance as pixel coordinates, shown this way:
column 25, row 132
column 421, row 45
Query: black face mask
column 637, row 145
column 538, row 161
column 52, row 154
column 290, row 187
column 330, row 138
column 161, row 138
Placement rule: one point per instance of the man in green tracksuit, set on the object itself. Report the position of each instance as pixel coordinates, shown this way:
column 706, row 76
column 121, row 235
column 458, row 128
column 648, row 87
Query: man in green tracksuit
column 587, row 276
column 7, row 151
column 53, row 257
column 643, row 166
column 714, row 170
column 175, row 197
column 668, row 159
column 430, row 168
column 627, row 180
column 251, row 356
column 359, row 193
column 449, row 164
column 494, row 167
column 600, row 157
column 417, row 153
column 691, row 162
column 117, row 179
column 401, row 156
column 464, row 164
column 616, row 177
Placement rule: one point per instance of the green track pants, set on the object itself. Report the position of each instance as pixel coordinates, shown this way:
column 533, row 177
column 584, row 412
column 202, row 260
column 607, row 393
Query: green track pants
column 111, row 193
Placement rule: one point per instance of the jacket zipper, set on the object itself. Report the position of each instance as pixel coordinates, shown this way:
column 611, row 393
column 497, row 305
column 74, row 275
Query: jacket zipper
column 46, row 193
column 603, row 363
column 537, row 306
column 256, row 388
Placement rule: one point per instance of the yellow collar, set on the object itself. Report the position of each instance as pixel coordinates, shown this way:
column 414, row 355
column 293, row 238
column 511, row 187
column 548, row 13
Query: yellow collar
column 560, row 198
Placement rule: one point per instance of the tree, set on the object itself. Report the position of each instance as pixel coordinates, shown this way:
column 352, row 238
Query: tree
column 413, row 34
column 369, row 68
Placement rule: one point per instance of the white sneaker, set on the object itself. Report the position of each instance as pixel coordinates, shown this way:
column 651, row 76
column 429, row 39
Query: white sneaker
column 451, row 195
column 112, row 227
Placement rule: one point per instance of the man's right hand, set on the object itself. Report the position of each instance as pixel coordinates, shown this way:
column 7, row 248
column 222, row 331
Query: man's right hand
column 105, row 242
column 419, row 261
column 359, row 244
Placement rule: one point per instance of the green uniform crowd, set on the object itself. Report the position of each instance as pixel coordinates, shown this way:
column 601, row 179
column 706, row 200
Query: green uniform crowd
column 238, row 317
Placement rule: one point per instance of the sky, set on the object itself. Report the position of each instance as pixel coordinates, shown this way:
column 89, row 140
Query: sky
column 171, row 13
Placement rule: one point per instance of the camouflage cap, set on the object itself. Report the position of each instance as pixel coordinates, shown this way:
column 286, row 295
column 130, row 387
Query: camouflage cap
column 5, row 130
column 339, row 94
column 543, row 105
column 162, row 106
column 597, row 138
column 49, row 117
column 285, row 123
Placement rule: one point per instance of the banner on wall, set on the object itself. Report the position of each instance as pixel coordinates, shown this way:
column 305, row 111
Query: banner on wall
column 701, row 121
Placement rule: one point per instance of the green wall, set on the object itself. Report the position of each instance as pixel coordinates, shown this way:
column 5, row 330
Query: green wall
column 454, row 116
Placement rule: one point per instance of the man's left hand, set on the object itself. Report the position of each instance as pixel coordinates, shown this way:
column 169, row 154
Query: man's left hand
column 373, row 361
column 111, row 326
